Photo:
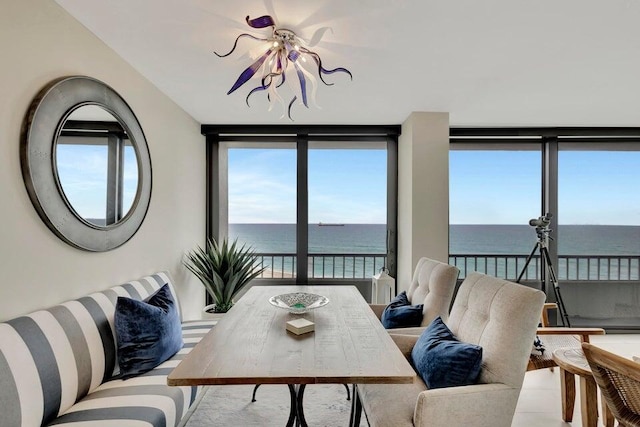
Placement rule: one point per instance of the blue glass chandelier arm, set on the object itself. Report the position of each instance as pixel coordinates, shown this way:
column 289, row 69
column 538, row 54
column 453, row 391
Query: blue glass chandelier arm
column 236, row 43
column 267, row 81
column 261, row 22
column 303, row 83
column 249, row 72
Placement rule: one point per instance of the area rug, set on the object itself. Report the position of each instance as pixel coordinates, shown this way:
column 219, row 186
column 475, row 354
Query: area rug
column 324, row 405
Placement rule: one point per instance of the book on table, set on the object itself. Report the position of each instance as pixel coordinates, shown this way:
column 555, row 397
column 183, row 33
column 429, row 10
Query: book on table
column 300, row 326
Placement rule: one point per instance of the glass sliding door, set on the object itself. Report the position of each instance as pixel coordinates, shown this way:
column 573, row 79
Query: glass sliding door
column 262, row 195
column 599, row 232
column 347, row 199
column 599, row 212
column 493, row 193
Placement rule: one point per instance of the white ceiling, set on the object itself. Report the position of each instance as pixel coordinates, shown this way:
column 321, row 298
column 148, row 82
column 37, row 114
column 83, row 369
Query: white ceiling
column 487, row 63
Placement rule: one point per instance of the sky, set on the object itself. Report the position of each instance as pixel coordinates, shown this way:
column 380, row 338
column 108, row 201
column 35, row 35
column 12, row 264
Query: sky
column 345, row 186
column 503, row 187
column 82, row 171
column 349, row 186
column 486, row 187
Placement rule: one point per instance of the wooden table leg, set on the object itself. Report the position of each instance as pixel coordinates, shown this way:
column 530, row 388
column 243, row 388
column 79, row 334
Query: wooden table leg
column 607, row 416
column 568, row 389
column 589, row 401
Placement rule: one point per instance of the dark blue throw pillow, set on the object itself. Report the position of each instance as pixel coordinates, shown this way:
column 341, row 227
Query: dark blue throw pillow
column 443, row 361
column 148, row 332
column 400, row 314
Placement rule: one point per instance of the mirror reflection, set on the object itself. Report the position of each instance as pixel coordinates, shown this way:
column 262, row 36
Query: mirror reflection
column 96, row 166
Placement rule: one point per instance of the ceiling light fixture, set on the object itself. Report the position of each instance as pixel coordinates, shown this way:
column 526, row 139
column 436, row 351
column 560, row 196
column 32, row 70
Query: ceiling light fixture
column 284, row 52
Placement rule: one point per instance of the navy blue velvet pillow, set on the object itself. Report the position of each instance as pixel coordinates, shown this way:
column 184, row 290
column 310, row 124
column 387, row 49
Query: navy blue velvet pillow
column 148, row 332
column 443, row 361
column 400, row 314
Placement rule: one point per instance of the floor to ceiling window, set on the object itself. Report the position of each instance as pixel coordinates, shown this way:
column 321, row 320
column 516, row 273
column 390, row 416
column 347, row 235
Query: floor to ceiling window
column 262, row 203
column 599, row 229
column 587, row 178
column 494, row 191
column 347, row 209
column 316, row 206
column 599, row 221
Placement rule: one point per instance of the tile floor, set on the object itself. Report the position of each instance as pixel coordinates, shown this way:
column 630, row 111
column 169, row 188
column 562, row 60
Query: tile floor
column 540, row 405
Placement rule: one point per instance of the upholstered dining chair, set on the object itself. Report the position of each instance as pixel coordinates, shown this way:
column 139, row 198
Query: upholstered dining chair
column 619, row 381
column 432, row 285
column 498, row 315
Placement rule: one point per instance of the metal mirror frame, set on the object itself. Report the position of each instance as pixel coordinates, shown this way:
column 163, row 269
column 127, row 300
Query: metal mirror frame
column 41, row 127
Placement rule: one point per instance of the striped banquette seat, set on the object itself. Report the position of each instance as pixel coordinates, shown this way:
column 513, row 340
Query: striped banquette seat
column 57, row 366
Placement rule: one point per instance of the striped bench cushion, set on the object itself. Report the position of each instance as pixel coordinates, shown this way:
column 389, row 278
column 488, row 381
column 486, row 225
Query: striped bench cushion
column 145, row 400
column 52, row 358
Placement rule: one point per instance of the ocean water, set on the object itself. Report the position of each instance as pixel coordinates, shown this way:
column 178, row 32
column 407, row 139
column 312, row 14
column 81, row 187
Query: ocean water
column 463, row 239
column 335, row 239
column 575, row 240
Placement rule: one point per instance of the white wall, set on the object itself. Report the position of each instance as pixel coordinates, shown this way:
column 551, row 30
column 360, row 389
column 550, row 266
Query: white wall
column 39, row 41
column 423, row 192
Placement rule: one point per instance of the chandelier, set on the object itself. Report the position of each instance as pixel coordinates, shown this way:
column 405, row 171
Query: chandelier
column 285, row 54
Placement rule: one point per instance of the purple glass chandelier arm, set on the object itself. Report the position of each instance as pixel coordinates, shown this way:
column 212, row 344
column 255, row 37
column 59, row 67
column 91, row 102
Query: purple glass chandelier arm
column 261, row 22
column 236, row 43
column 249, row 72
column 293, row 54
column 266, row 83
column 303, row 83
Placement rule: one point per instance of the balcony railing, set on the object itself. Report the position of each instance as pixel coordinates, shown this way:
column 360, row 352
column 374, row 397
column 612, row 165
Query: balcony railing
column 363, row 266
column 570, row 267
column 323, row 266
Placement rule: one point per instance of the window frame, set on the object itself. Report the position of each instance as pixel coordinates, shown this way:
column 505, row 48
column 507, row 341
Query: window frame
column 551, row 140
column 220, row 137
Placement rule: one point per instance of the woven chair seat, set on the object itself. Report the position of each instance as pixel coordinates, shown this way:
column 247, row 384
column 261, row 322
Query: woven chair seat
column 551, row 343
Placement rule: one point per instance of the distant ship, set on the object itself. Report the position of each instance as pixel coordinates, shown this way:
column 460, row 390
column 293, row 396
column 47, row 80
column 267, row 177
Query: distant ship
column 327, row 224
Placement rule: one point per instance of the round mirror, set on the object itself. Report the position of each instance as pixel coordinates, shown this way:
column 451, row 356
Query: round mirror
column 86, row 163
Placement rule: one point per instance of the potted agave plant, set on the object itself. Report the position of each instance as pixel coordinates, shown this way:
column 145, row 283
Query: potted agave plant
column 224, row 269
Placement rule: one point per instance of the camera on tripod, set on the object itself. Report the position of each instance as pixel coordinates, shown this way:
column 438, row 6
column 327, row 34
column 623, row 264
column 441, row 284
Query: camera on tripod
column 542, row 226
column 542, row 231
column 541, row 221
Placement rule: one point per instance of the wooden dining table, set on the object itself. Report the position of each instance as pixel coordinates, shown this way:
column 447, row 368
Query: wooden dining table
column 250, row 345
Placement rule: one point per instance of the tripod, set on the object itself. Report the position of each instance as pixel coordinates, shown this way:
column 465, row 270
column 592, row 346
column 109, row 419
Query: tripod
column 541, row 245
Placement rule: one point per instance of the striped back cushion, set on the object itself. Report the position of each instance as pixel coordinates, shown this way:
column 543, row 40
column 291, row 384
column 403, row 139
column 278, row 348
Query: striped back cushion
column 51, row 358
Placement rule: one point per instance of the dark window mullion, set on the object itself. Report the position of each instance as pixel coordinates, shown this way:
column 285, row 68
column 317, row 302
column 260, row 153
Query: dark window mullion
column 114, row 179
column 550, row 194
column 392, row 205
column 302, row 210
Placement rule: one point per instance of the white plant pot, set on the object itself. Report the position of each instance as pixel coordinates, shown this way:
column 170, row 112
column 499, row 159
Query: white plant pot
column 210, row 315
